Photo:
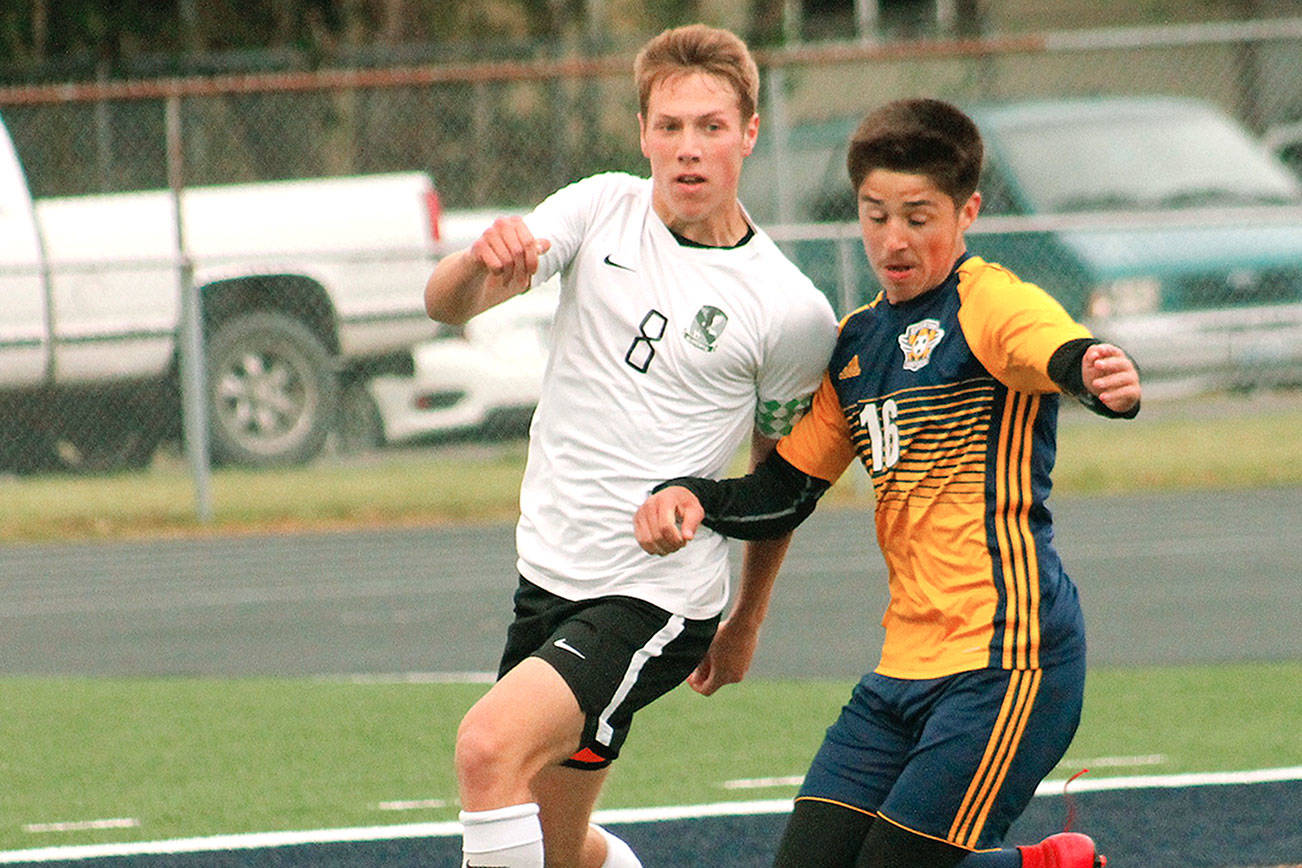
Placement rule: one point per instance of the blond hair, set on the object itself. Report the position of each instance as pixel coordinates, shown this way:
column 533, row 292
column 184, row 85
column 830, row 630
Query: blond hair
column 698, row 48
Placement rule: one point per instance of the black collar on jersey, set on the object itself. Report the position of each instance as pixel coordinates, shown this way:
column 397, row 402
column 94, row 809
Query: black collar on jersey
column 687, row 242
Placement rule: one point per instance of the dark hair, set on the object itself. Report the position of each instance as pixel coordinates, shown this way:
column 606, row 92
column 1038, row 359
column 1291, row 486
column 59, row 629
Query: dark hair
column 919, row 137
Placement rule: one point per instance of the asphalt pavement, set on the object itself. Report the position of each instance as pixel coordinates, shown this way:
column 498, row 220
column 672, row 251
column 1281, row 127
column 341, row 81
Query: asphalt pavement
column 1165, row 578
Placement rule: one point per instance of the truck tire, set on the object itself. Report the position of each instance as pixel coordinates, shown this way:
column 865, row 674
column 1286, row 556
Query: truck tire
column 111, row 446
column 272, row 391
column 24, row 452
column 112, row 430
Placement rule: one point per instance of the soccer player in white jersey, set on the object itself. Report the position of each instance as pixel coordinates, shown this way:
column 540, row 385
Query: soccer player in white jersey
column 681, row 329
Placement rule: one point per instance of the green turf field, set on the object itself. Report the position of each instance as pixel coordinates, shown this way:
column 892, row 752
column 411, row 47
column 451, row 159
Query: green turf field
column 185, row 757
column 190, row 757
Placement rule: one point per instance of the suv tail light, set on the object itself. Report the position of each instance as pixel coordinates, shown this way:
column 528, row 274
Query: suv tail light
column 434, row 214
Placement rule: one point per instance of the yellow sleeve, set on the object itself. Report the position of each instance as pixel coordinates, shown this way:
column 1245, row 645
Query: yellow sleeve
column 1012, row 326
column 820, row 442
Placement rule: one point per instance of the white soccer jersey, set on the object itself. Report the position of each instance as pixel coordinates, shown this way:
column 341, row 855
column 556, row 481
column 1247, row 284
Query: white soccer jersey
column 664, row 357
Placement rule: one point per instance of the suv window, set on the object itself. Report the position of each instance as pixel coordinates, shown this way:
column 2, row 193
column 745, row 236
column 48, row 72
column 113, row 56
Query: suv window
column 1163, row 159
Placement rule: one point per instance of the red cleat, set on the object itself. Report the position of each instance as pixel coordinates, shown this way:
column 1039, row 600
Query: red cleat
column 1064, row 850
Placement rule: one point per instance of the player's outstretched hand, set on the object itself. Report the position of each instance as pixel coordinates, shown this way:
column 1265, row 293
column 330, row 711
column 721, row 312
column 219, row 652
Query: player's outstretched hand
column 728, row 659
column 667, row 520
column 1110, row 375
column 509, row 252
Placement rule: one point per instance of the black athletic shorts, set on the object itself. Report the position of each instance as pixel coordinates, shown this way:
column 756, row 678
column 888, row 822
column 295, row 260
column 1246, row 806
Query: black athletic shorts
column 617, row 654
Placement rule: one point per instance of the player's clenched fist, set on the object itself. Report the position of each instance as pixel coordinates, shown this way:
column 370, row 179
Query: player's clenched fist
column 501, row 263
column 510, row 252
column 667, row 520
column 1110, row 375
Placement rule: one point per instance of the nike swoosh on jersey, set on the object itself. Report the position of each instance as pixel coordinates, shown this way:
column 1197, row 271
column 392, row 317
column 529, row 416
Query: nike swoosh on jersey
column 566, row 646
column 615, row 264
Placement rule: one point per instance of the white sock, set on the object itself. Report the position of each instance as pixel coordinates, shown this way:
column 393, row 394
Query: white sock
column 508, row 837
column 618, row 853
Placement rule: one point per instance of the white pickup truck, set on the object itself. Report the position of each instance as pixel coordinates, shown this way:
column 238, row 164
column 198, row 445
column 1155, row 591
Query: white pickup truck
column 301, row 284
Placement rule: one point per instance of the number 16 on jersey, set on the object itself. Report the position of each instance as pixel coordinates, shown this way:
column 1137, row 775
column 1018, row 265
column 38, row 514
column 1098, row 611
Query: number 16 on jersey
column 883, row 432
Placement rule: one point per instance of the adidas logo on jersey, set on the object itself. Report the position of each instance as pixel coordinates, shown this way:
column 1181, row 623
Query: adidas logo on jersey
column 850, row 370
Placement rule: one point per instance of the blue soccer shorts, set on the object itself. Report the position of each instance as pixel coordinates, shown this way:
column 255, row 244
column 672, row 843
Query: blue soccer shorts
column 956, row 759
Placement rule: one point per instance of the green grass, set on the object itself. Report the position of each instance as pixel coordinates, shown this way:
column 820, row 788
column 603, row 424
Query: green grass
column 1248, row 441
column 433, row 485
column 199, row 757
column 1210, row 443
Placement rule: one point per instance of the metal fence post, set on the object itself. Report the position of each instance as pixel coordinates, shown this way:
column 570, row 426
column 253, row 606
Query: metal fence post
column 194, row 407
column 777, row 112
column 847, row 249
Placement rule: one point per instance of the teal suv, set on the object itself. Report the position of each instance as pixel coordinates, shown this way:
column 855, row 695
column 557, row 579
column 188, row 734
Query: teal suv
column 1158, row 221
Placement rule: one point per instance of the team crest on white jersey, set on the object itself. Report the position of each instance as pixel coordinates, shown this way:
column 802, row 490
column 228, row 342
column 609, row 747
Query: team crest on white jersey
column 706, row 327
column 918, row 341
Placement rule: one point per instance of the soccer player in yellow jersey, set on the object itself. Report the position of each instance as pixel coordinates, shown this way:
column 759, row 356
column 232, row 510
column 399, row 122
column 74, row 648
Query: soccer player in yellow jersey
column 946, row 388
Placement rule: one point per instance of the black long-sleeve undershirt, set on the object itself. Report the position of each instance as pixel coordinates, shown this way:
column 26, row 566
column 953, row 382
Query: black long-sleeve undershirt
column 767, row 503
column 776, row 497
column 1064, row 369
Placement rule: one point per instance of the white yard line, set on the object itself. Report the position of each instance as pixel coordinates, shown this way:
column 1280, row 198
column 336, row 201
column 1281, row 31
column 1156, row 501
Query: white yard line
column 625, row 815
column 1153, row 759
column 233, row 842
column 83, row 825
column 763, row 783
column 1114, row 762
column 411, row 804
column 1192, row 779
column 414, row 678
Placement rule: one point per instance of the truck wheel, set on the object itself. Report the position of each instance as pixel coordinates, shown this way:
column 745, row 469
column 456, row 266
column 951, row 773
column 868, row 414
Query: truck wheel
column 272, row 391
column 110, row 447
column 26, row 452
column 110, row 431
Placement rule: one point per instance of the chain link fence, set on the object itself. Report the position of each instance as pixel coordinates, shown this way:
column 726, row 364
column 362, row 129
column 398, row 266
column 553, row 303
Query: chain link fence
column 1127, row 176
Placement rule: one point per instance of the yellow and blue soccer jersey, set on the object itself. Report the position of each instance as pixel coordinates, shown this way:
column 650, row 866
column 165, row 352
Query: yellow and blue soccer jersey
column 947, row 401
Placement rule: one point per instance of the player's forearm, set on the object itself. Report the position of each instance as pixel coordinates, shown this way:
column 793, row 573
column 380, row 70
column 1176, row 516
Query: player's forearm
column 766, row 504
column 761, row 562
column 459, row 289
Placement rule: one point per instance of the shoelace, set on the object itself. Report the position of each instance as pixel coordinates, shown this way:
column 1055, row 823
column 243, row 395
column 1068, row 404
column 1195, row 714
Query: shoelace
column 1071, row 800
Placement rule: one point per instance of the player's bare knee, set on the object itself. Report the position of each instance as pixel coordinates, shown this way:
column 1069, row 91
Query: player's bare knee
column 483, row 753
